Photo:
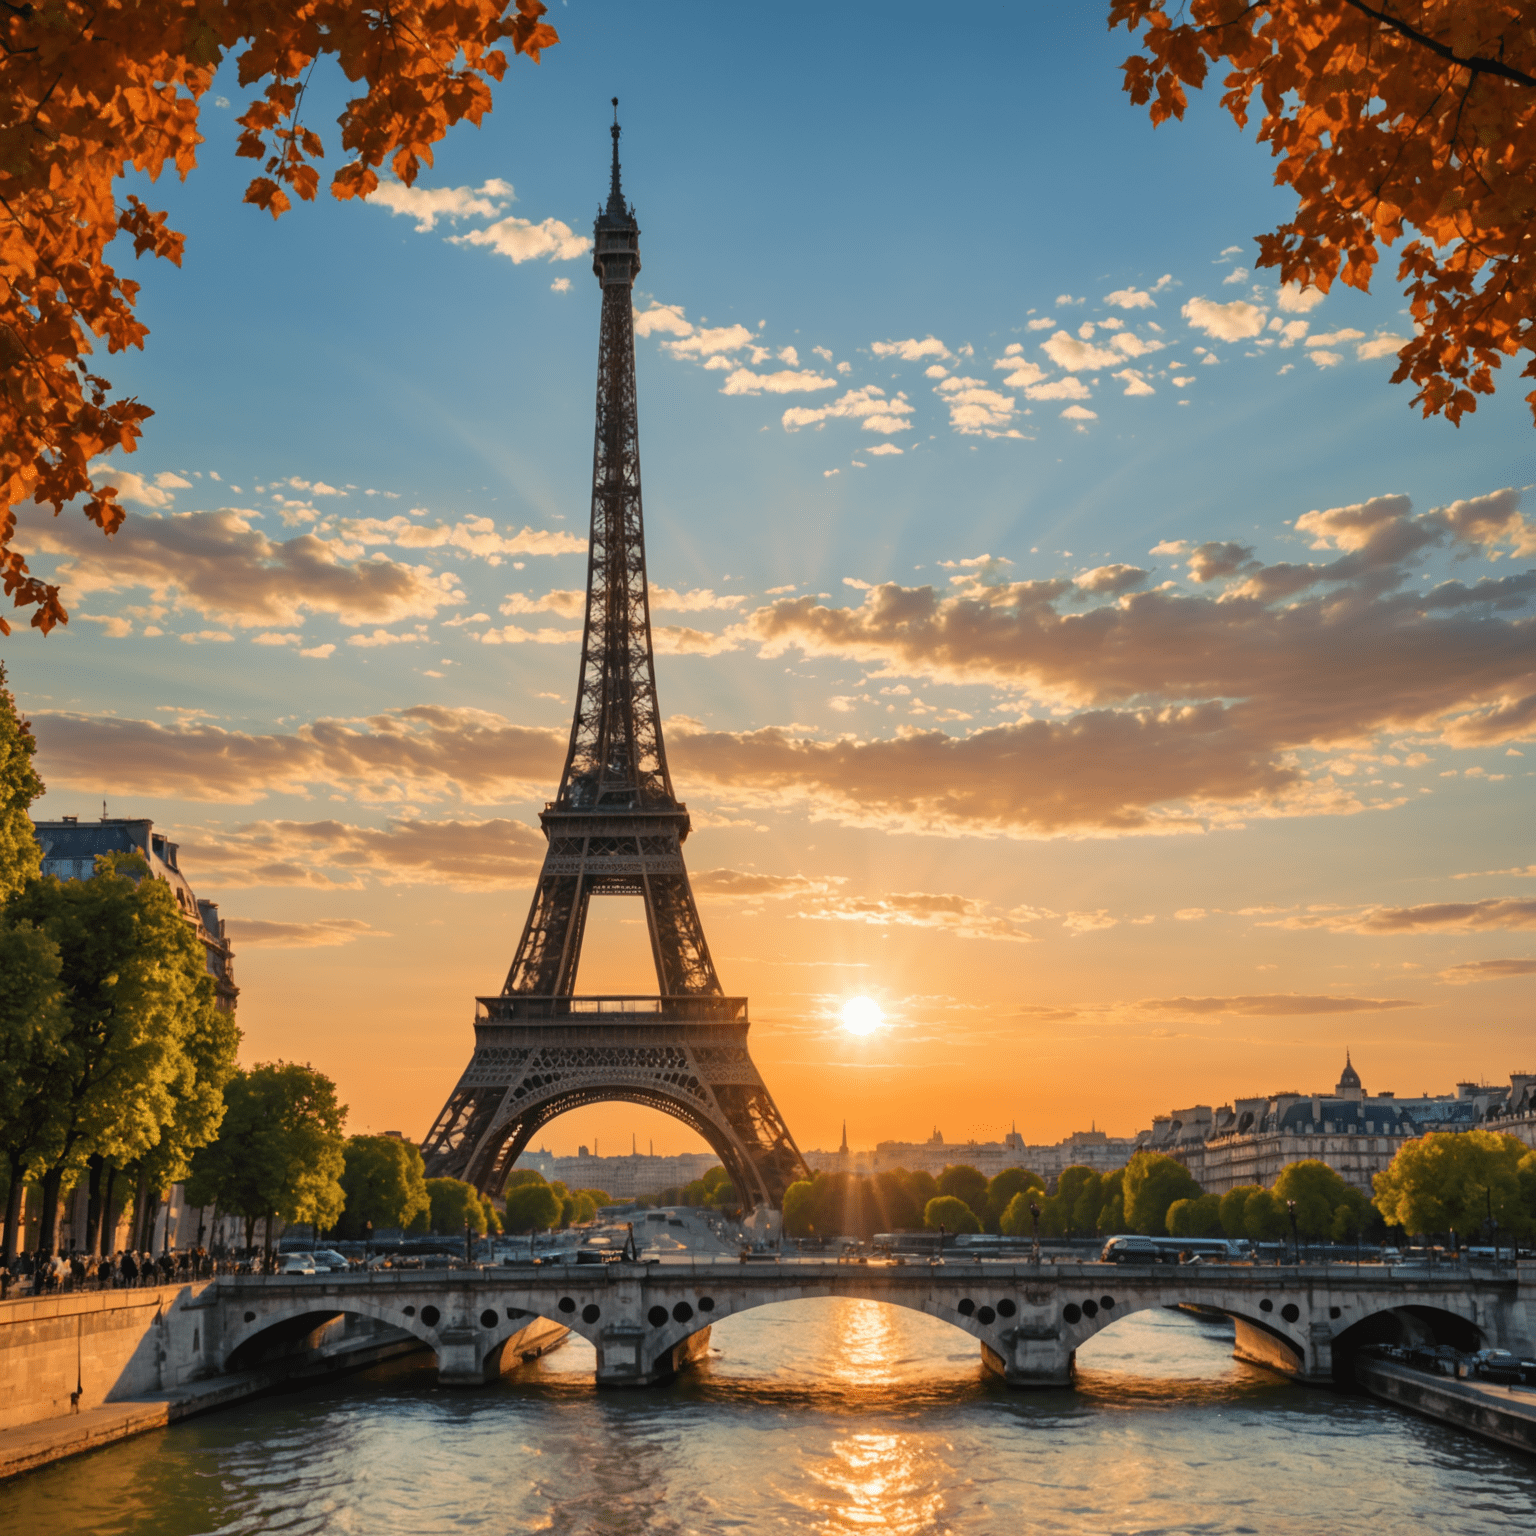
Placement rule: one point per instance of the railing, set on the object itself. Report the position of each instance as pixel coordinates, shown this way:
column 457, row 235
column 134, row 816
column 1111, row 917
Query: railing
column 520, row 1008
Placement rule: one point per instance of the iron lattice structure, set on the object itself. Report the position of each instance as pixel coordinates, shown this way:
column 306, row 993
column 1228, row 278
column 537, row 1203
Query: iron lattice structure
column 615, row 827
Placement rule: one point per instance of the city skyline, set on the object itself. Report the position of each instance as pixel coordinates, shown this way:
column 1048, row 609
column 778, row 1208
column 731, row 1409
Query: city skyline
column 1079, row 653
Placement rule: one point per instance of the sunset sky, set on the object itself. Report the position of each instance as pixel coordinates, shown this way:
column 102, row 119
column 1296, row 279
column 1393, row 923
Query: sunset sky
column 1068, row 639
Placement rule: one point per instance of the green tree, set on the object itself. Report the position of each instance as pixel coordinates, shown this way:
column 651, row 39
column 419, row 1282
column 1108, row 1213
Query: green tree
column 1264, row 1218
column 1060, row 1215
column 1018, row 1220
column 1199, row 1216
column 34, row 1023
column 1449, row 1181
column 1152, row 1183
column 1233, row 1205
column 1355, row 1219
column 531, row 1208
column 962, row 1182
column 951, row 1213
column 1317, row 1190
column 1112, row 1203
column 280, row 1151
column 384, row 1182
column 800, row 1208
column 524, row 1176
column 1002, row 1189
column 142, row 1037
column 20, row 856
column 455, row 1204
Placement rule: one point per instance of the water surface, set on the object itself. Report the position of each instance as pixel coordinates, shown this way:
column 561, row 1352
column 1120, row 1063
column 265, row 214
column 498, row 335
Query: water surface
column 836, row 1417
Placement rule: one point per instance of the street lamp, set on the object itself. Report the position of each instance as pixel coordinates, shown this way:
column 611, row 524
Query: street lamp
column 367, row 1242
column 1290, row 1210
column 1034, row 1218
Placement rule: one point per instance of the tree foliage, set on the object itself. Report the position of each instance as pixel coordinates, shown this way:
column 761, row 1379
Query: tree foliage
column 279, row 1152
column 1018, row 1220
column 1073, row 1211
column 383, row 1181
column 455, row 1205
column 140, row 1067
column 90, row 90
column 968, row 1185
column 1153, row 1181
column 531, row 1207
column 952, row 1214
column 1450, row 1181
column 1384, row 116
column 1195, row 1216
column 844, row 1204
column 20, row 856
column 1001, row 1191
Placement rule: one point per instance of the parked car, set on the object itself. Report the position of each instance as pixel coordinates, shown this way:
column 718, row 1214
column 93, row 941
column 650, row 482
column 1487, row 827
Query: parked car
column 328, row 1260
column 297, row 1264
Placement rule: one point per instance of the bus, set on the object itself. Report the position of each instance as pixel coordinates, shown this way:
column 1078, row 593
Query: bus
column 1133, row 1248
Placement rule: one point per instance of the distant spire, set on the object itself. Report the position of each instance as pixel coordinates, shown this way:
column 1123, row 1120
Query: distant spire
column 615, row 191
column 844, row 1146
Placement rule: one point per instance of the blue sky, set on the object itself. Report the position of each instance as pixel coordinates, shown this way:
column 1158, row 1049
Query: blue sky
column 1012, row 823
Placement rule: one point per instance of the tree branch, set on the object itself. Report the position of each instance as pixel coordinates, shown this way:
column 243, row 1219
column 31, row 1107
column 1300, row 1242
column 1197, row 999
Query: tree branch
column 1476, row 64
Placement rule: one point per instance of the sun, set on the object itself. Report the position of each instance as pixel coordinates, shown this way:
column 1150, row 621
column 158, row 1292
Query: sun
column 862, row 1016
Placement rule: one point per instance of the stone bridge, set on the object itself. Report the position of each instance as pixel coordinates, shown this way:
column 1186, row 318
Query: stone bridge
column 647, row 1321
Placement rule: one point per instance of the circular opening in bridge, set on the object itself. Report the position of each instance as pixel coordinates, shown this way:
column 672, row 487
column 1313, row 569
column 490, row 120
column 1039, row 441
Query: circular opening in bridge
column 410, row 1311
column 1006, row 1307
column 985, row 1315
column 489, row 1319
column 706, row 1303
column 682, row 1311
column 1335, row 1312
column 250, row 1317
column 1107, row 1302
column 591, row 1312
column 431, row 1316
column 1266, row 1305
column 1071, row 1312
column 1290, row 1311
column 1090, row 1308
column 657, row 1316
column 567, row 1304
column 967, row 1306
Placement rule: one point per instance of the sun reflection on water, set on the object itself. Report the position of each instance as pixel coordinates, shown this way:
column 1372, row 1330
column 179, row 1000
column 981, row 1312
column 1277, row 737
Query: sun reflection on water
column 878, row 1482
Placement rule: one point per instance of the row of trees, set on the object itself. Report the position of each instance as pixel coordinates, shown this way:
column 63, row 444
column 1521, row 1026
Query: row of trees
column 1442, row 1183
column 114, row 1055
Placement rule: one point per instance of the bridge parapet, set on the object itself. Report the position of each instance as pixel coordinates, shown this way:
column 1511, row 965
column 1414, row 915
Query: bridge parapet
column 646, row 1321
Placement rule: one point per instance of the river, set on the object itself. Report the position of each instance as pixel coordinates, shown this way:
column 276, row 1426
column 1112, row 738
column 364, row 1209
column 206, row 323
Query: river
column 844, row 1418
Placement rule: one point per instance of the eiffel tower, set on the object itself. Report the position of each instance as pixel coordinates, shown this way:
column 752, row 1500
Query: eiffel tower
column 615, row 828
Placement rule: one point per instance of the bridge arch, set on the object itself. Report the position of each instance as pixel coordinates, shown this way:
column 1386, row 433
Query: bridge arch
column 293, row 1324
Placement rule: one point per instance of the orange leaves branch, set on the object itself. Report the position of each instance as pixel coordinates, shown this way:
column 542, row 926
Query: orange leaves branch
column 89, row 91
column 1382, row 115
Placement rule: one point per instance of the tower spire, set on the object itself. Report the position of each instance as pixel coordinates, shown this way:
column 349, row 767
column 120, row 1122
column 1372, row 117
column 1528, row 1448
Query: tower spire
column 615, row 191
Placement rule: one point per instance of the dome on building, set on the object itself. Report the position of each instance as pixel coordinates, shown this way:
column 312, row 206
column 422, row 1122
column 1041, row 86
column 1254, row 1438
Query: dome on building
column 1349, row 1079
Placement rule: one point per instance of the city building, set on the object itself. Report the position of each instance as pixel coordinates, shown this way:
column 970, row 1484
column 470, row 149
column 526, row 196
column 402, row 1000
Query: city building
column 632, row 1177
column 1091, row 1149
column 71, row 848
column 1355, row 1132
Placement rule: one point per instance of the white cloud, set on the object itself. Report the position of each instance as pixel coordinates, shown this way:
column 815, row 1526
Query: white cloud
column 867, row 405
column 973, row 408
column 881, row 448
column 384, row 637
column 786, row 382
column 1069, row 352
column 132, row 487
column 1379, row 346
column 1326, row 359
column 1044, row 323
column 1069, row 388
column 428, row 204
column 1227, row 322
column 568, row 603
column 1296, row 300
column 522, row 240
column 1136, row 346
column 697, row 600
column 1333, row 338
column 662, row 319
column 1135, row 383
column 474, row 535
column 910, row 350
column 1078, row 413
column 710, row 342
column 1236, row 275
column 167, row 481
column 1023, row 375
column 1131, row 298
column 560, row 285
